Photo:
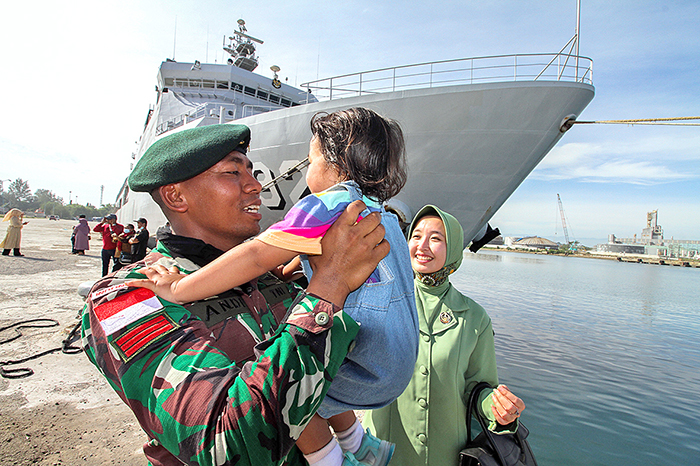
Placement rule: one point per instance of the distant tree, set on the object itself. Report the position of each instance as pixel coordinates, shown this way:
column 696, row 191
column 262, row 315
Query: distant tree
column 44, row 195
column 54, row 208
column 19, row 194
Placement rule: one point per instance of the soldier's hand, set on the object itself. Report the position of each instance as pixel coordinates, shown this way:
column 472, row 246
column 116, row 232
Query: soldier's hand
column 351, row 252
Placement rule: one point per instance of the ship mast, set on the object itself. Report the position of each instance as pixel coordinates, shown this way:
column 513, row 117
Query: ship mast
column 241, row 47
column 578, row 33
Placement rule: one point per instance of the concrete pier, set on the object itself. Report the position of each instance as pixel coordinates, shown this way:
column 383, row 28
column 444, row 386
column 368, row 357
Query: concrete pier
column 64, row 414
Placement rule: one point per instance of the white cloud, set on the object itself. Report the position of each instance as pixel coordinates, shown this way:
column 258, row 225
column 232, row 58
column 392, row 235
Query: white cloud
column 646, row 161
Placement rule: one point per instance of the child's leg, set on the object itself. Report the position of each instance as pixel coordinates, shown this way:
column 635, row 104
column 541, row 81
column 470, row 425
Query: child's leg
column 318, row 444
column 348, row 430
column 364, row 446
column 342, row 421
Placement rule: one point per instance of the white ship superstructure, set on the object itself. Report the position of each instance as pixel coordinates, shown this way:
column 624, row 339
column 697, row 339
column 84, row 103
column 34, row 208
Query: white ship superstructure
column 474, row 128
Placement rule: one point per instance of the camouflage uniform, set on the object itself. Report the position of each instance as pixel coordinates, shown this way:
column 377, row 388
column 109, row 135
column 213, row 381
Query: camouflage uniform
column 202, row 390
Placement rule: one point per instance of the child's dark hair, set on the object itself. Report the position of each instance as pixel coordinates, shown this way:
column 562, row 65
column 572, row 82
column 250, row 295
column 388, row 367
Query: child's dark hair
column 364, row 147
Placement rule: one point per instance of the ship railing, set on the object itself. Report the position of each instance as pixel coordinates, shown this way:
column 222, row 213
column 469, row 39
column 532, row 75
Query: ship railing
column 252, row 109
column 488, row 69
column 209, row 109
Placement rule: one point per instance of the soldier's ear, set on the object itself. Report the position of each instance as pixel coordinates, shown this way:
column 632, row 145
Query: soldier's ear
column 173, row 198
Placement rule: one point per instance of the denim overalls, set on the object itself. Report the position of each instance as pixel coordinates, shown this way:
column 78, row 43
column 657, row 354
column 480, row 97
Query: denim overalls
column 377, row 370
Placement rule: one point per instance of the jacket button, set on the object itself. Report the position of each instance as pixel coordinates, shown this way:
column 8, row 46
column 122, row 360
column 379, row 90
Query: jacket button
column 422, row 438
column 426, row 337
column 422, row 403
column 423, row 370
column 322, row 318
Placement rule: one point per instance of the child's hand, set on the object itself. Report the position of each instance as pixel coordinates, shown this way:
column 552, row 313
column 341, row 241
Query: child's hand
column 290, row 271
column 161, row 281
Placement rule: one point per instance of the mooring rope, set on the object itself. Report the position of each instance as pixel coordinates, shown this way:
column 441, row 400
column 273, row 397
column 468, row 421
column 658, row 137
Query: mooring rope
column 65, row 347
column 645, row 121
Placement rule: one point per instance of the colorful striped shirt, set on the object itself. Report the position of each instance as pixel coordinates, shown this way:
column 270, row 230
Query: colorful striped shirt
column 307, row 221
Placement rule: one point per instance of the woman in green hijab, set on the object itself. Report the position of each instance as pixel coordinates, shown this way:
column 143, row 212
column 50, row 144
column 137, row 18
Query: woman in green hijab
column 456, row 351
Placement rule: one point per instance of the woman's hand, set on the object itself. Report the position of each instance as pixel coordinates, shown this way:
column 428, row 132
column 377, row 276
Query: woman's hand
column 161, row 281
column 506, row 406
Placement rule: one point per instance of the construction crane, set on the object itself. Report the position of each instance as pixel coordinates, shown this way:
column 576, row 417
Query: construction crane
column 563, row 219
column 563, row 224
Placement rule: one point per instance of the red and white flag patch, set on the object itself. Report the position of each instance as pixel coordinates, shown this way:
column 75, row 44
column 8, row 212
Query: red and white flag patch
column 127, row 308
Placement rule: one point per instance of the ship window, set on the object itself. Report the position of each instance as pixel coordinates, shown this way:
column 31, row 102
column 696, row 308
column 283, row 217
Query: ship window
column 222, row 85
column 286, row 103
column 275, row 99
column 295, row 104
column 249, row 90
column 236, row 87
column 208, row 84
column 169, row 81
column 262, row 95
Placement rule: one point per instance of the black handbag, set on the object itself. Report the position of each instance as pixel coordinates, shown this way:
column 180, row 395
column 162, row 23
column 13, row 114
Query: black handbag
column 491, row 449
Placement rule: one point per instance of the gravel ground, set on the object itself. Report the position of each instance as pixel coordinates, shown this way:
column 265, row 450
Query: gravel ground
column 64, row 414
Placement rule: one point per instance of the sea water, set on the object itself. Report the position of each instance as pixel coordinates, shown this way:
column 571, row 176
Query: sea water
column 606, row 355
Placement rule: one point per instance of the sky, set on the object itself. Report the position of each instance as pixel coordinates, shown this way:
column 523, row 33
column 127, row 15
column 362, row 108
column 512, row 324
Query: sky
column 79, row 78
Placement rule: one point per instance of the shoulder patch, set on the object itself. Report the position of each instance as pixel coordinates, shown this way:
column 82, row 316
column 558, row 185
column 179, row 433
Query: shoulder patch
column 126, row 309
column 131, row 342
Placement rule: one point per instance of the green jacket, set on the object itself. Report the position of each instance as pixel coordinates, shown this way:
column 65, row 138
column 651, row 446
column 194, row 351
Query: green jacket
column 428, row 421
column 200, row 387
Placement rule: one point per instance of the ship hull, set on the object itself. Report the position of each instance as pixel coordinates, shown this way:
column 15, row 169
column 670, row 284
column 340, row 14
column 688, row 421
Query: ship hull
column 468, row 146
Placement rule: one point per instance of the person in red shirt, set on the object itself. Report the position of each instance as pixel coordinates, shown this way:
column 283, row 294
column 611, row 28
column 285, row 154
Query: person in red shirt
column 108, row 227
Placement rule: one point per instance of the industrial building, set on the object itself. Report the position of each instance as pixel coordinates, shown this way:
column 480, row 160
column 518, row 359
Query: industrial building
column 652, row 243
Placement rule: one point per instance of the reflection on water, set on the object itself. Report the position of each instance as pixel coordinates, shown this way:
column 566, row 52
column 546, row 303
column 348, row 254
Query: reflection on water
column 605, row 354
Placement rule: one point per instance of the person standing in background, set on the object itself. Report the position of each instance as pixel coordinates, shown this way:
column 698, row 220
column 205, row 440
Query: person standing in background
column 14, row 232
column 108, row 227
column 123, row 254
column 140, row 241
column 81, row 234
column 163, row 230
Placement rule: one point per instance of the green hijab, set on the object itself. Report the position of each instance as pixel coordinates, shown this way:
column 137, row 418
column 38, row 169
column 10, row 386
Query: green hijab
column 434, row 292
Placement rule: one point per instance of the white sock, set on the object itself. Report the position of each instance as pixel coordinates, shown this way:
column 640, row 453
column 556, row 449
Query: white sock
column 330, row 455
column 351, row 439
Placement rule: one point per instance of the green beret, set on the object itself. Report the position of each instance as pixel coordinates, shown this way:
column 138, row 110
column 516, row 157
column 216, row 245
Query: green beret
column 186, row 154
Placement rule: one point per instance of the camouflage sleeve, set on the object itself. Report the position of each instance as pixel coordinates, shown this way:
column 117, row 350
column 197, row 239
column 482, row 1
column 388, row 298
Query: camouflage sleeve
column 204, row 408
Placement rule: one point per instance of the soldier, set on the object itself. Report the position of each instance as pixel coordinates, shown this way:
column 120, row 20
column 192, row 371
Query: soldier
column 229, row 379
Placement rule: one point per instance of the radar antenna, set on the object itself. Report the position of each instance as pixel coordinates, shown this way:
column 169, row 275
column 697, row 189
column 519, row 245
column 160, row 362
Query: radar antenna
column 275, row 79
